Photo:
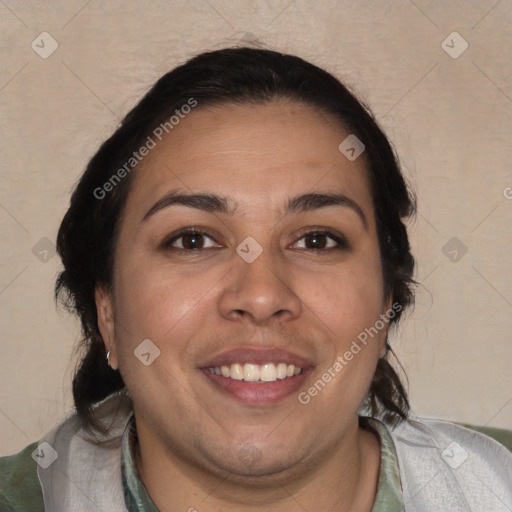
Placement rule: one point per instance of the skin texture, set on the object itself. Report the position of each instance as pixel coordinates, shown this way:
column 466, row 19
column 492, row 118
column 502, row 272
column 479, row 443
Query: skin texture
column 199, row 447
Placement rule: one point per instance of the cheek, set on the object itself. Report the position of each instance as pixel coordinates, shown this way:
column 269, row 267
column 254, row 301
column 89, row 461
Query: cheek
column 350, row 310
column 349, row 303
column 153, row 304
column 347, row 300
column 153, row 300
column 167, row 305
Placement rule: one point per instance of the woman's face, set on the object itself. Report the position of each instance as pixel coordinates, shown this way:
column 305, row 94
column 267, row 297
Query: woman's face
column 231, row 257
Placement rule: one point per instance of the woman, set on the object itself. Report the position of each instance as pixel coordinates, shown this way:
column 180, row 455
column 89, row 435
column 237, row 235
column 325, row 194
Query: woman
column 236, row 253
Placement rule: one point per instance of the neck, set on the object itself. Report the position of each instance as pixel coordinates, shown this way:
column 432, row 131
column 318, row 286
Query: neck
column 345, row 479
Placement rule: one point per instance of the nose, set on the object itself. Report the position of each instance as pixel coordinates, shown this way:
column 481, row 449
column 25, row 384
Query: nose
column 260, row 292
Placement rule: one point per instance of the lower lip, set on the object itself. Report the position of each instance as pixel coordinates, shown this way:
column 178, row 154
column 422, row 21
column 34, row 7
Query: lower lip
column 258, row 393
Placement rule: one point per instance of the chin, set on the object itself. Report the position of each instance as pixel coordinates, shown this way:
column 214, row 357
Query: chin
column 254, row 474
column 248, row 460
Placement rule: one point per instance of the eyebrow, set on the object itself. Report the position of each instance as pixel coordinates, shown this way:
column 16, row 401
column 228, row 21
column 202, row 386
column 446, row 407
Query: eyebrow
column 213, row 203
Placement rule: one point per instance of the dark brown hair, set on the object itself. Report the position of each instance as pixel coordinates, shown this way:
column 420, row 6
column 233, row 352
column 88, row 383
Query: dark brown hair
column 87, row 236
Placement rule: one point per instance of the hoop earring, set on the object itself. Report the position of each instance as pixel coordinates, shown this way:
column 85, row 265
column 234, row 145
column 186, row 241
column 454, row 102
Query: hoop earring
column 108, row 357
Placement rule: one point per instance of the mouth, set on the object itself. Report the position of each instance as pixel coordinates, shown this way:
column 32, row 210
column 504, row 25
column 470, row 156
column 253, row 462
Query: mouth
column 250, row 372
column 257, row 376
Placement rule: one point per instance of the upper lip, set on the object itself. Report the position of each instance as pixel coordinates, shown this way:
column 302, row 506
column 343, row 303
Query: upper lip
column 256, row 356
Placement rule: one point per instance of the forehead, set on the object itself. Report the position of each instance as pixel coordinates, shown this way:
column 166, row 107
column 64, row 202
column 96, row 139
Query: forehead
column 252, row 153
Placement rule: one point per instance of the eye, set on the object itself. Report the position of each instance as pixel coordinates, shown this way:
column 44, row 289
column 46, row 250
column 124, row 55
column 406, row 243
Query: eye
column 190, row 240
column 322, row 240
column 195, row 240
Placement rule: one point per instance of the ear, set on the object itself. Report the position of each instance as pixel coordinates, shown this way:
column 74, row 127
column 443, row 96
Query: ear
column 106, row 324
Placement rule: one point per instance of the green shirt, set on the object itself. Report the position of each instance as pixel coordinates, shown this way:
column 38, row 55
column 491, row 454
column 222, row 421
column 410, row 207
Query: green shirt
column 20, row 490
column 19, row 485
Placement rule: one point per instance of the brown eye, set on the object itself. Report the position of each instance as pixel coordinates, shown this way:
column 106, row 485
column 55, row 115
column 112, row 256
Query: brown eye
column 190, row 241
column 322, row 240
column 316, row 241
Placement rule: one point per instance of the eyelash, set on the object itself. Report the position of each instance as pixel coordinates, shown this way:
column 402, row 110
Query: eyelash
column 336, row 237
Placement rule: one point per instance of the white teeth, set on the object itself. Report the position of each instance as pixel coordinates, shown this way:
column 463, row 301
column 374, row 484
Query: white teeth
column 268, row 372
column 281, row 371
column 251, row 372
column 237, row 372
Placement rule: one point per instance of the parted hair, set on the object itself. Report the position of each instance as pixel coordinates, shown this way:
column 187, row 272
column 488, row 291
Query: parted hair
column 88, row 233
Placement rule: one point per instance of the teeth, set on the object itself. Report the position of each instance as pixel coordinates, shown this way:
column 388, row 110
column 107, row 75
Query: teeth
column 236, row 372
column 268, row 372
column 251, row 372
column 281, row 371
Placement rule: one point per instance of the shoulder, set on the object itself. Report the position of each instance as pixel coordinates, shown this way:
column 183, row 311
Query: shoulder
column 472, row 439
column 22, row 481
column 501, row 435
column 453, row 440
column 450, row 467
column 19, row 485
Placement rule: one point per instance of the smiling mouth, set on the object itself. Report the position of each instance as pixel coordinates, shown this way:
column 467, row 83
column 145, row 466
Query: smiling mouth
column 257, row 384
column 257, row 376
column 250, row 372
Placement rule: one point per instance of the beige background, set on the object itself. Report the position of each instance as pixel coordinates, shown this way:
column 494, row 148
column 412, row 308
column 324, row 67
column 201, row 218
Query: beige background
column 450, row 120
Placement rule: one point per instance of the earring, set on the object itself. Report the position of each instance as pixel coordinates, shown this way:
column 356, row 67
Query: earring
column 108, row 357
